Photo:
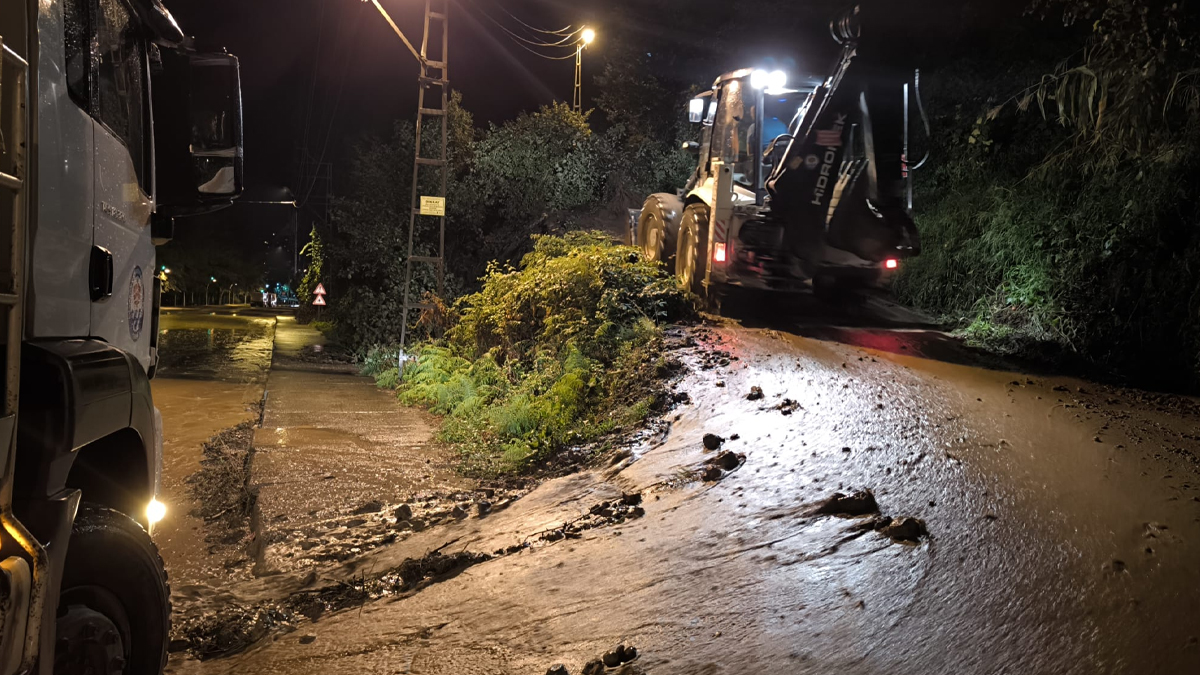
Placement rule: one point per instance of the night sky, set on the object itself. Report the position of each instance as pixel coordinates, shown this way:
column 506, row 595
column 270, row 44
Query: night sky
column 365, row 77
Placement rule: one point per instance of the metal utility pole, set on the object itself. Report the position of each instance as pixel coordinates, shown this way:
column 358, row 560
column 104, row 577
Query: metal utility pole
column 577, row 100
column 585, row 39
column 434, row 82
column 432, row 101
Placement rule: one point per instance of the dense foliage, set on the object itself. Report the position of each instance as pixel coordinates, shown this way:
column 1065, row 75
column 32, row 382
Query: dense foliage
column 553, row 353
column 506, row 182
column 1074, row 230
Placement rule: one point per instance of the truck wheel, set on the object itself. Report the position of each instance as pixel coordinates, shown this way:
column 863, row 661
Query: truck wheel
column 691, row 252
column 114, row 611
column 653, row 236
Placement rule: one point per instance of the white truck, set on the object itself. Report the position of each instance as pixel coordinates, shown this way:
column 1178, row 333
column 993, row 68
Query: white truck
column 111, row 126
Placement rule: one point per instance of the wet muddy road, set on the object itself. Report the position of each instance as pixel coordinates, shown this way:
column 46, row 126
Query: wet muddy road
column 212, row 372
column 1061, row 535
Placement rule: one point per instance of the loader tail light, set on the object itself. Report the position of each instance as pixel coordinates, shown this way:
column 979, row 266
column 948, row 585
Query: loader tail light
column 891, row 264
column 719, row 253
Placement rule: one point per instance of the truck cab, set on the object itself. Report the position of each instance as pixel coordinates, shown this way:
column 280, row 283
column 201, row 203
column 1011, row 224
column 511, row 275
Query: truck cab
column 113, row 127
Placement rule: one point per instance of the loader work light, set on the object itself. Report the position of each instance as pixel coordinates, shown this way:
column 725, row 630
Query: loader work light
column 891, row 263
column 719, row 253
column 773, row 81
column 696, row 110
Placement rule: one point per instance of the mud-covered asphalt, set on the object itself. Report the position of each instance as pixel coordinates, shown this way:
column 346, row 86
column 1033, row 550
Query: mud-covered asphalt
column 1061, row 535
column 211, row 376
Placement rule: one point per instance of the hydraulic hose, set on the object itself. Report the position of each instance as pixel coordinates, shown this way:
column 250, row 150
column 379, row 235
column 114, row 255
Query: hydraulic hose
column 924, row 118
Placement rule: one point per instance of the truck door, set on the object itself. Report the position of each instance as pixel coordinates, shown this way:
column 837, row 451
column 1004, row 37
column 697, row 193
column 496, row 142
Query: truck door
column 122, row 265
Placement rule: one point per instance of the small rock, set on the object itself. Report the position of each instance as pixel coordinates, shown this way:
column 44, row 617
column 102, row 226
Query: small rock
column 680, row 397
column 728, row 460
column 734, row 437
column 713, row 441
column 593, row 667
column 175, row 646
column 631, row 498
column 356, row 522
column 307, row 639
column 721, row 383
column 613, row 657
column 755, row 394
column 558, row 669
column 860, row 503
column 417, row 524
column 458, row 512
column 483, row 508
column 369, row 507
column 710, row 473
column 403, row 512
column 307, row 544
column 630, row 654
column 487, row 492
column 905, row 529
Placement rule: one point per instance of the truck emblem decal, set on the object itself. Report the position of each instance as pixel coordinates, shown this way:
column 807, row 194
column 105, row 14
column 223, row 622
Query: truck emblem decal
column 113, row 212
column 137, row 303
column 831, row 154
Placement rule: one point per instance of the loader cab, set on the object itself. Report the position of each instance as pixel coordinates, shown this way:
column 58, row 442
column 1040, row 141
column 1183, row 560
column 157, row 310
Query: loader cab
column 745, row 118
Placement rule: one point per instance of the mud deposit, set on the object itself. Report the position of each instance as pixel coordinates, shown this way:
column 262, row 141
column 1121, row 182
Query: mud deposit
column 235, row 628
column 222, row 493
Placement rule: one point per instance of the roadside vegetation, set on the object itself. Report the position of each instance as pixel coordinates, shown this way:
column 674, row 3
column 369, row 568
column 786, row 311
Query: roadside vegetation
column 556, row 352
column 1059, row 215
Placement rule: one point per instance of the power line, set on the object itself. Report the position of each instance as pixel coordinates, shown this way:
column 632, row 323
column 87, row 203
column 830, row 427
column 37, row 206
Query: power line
column 350, row 50
column 526, row 44
column 312, row 86
column 560, row 31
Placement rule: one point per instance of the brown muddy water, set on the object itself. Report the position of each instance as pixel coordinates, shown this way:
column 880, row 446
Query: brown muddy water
column 212, row 373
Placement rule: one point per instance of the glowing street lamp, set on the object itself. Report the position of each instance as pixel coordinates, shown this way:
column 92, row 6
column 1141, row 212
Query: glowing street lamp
column 586, row 37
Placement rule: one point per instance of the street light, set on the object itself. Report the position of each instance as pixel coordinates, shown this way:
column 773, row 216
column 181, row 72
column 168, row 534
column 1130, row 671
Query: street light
column 585, row 38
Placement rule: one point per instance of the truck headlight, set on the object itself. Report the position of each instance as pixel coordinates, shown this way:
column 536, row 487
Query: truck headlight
column 155, row 511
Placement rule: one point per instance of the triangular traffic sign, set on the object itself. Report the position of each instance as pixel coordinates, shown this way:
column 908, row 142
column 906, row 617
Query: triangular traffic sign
column 320, row 290
column 320, row 301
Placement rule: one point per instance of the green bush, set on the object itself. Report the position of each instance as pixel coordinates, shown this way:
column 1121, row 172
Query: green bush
column 551, row 354
column 1034, row 255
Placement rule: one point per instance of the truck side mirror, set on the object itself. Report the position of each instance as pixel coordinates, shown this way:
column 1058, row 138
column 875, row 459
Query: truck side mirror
column 216, row 116
column 692, row 147
column 197, row 131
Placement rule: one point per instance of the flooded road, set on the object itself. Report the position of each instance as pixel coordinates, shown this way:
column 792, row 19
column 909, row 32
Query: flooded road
column 211, row 376
column 1062, row 524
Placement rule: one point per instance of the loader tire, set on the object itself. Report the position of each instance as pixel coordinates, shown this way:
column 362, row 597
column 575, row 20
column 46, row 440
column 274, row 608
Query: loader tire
column 691, row 251
column 654, row 235
column 114, row 610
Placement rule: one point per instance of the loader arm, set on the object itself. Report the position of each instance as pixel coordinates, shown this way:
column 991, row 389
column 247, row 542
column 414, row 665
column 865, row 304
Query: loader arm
column 843, row 177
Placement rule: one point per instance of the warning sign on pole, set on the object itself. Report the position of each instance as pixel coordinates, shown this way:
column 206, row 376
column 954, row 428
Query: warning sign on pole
column 433, row 206
column 320, row 290
column 320, row 301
